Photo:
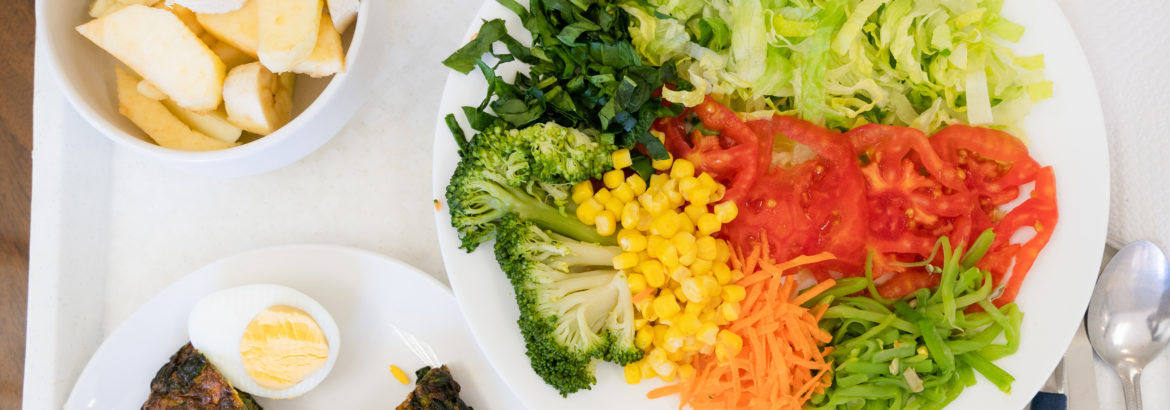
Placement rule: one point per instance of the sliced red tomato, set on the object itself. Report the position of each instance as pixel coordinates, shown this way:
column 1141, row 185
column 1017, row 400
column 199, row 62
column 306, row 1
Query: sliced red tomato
column 885, row 190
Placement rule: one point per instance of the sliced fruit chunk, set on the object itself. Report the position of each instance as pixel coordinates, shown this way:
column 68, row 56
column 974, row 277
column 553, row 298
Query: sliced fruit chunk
column 327, row 58
column 159, row 123
column 211, row 123
column 258, row 100
column 210, row 6
column 288, row 32
column 239, row 29
column 102, row 8
column 158, row 46
column 343, row 12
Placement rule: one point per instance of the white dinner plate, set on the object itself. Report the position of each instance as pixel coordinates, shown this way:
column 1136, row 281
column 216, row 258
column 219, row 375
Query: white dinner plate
column 365, row 293
column 1066, row 131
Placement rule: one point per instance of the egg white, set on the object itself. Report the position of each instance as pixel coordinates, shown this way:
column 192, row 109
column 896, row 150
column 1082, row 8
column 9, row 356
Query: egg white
column 217, row 323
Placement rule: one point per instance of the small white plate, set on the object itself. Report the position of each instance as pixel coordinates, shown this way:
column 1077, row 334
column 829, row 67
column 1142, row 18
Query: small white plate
column 365, row 293
column 1066, row 131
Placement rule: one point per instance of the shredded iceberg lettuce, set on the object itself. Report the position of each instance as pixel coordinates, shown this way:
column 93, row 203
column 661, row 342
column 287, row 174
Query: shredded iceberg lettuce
column 844, row 63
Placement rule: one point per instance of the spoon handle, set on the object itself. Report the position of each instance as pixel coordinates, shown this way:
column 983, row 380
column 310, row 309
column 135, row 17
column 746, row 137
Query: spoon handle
column 1131, row 385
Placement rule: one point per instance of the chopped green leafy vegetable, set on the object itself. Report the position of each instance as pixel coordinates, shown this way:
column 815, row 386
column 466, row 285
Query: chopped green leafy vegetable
column 920, row 351
column 583, row 73
column 844, row 63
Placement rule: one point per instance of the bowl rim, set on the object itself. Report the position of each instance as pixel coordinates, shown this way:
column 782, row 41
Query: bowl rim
column 112, row 132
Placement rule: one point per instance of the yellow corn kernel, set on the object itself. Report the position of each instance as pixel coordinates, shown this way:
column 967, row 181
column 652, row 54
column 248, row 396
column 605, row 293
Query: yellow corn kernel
column 678, row 273
column 706, row 181
column 582, row 191
column 399, row 374
column 674, row 199
column 665, row 224
column 736, row 275
column 602, row 195
column 700, row 267
column 587, row 211
column 698, row 196
column 671, row 185
column 733, row 293
column 656, row 245
column 636, row 282
column 669, row 257
column 647, row 370
column 682, row 168
column 689, row 183
column 705, row 334
column 707, row 247
column 636, row 183
column 654, row 201
column 663, row 164
column 685, row 224
column 727, row 345
column 633, row 373
column 655, row 274
column 718, row 193
column 665, row 305
column 688, row 323
column 639, row 323
column 658, row 180
column 625, row 260
column 710, row 285
column 621, row 158
column 614, row 205
column 686, row 371
column 695, row 308
column 661, row 364
column 630, row 215
column 683, row 241
column 644, row 220
column 722, row 251
column 613, row 179
column 711, row 315
column 624, row 193
column 689, row 258
column 694, row 211
column 678, row 355
column 674, row 339
column 726, row 211
column 729, row 310
column 707, row 224
column 644, row 337
column 678, row 293
column 633, row 242
column 660, row 335
column 722, row 273
column 693, row 288
column 606, row 223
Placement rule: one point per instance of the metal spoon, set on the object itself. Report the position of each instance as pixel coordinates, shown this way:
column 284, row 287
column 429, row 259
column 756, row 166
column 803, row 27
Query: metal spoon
column 1129, row 316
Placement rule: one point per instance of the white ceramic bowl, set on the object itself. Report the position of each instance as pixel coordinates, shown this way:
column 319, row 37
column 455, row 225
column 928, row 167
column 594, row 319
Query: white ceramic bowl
column 85, row 74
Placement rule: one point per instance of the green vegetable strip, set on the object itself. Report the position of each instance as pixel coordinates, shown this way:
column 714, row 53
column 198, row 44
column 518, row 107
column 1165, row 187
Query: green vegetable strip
column 989, row 370
column 927, row 332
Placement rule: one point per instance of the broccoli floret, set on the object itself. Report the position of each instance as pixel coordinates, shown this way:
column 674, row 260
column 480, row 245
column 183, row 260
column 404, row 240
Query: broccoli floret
column 527, row 172
column 574, row 307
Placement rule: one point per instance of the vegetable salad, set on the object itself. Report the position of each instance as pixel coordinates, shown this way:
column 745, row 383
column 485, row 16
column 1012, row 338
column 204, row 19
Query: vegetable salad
column 764, row 203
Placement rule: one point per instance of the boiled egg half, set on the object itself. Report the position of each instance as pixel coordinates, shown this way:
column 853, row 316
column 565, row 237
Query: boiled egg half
column 267, row 340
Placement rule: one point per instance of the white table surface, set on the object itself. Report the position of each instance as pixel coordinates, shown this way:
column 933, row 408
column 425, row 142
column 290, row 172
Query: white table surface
column 110, row 229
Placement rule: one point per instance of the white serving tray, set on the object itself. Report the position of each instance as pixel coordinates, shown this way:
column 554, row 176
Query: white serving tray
column 110, row 229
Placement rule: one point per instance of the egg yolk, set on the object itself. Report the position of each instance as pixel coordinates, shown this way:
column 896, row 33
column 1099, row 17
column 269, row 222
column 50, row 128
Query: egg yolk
column 282, row 346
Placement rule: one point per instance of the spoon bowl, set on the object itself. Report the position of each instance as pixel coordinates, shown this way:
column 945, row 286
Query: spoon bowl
column 1128, row 321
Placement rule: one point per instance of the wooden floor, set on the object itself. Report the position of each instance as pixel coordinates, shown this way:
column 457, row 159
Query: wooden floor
column 17, row 28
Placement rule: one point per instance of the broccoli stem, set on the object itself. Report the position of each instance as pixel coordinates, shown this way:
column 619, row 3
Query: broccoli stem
column 548, row 217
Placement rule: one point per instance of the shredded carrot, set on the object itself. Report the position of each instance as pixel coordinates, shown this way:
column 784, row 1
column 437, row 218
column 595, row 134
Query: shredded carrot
column 645, row 293
column 782, row 363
